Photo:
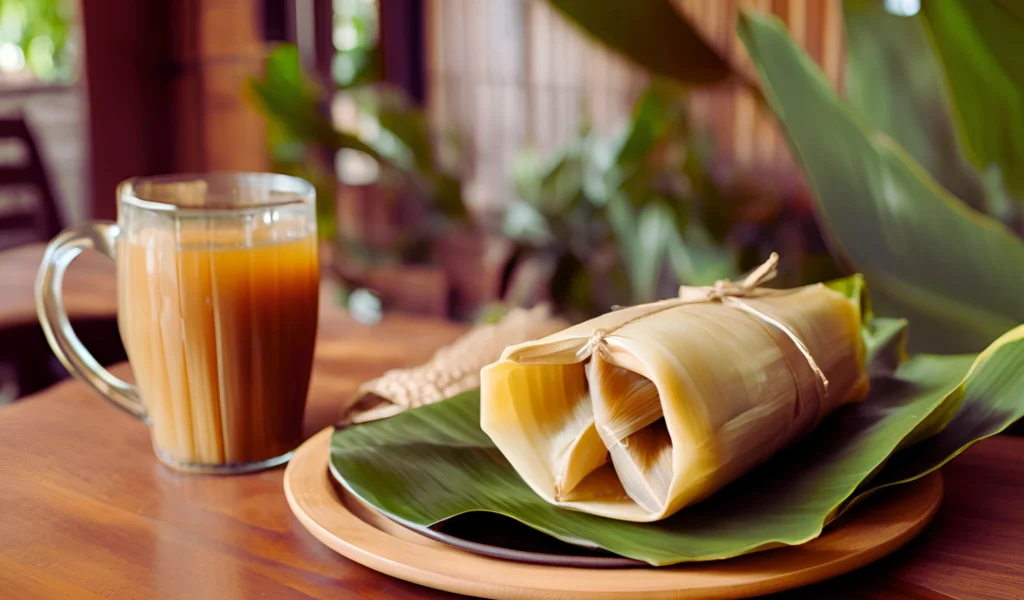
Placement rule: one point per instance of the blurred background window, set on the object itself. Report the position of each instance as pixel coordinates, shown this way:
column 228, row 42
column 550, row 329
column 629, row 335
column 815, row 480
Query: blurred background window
column 496, row 124
column 39, row 40
column 493, row 77
column 471, row 155
column 40, row 84
column 509, row 74
column 354, row 38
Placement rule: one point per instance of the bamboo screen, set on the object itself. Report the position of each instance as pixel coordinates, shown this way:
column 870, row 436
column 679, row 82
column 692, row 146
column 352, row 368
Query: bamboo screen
column 505, row 75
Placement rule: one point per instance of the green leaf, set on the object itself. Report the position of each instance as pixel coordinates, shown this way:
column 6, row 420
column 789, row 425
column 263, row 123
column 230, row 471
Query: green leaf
column 652, row 34
column 647, row 125
column 652, row 234
column 954, row 273
column 697, row 259
column 886, row 344
column 524, row 223
column 286, row 95
column 291, row 99
column 555, row 185
column 895, row 82
column 885, row 340
column 401, row 121
column 998, row 202
column 433, row 463
column 992, row 401
column 446, row 192
column 979, row 43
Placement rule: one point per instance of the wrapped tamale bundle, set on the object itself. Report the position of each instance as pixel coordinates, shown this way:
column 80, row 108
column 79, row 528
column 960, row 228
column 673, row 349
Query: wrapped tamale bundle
column 642, row 411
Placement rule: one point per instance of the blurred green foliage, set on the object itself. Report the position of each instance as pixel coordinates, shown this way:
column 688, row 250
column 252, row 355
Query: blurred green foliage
column 978, row 43
column 619, row 219
column 894, row 80
column 38, row 35
column 391, row 130
column 627, row 218
column 355, row 38
column 299, row 136
column 954, row 271
column 898, row 81
column 939, row 244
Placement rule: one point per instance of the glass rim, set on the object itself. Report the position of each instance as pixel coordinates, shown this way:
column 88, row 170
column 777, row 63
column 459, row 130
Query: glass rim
column 298, row 190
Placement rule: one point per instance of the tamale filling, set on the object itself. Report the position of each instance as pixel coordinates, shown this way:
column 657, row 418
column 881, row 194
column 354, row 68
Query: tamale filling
column 629, row 429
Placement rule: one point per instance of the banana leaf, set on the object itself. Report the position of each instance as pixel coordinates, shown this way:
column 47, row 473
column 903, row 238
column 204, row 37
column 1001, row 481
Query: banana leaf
column 979, row 44
column 953, row 272
column 640, row 32
column 895, row 81
column 433, row 463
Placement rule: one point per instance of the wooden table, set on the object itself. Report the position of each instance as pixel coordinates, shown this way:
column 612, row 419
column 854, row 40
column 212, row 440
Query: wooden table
column 86, row 511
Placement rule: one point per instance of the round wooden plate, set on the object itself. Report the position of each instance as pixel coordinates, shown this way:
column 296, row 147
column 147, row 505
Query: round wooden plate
column 876, row 528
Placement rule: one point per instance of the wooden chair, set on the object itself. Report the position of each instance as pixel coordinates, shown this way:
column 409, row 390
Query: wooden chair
column 28, row 208
column 28, row 213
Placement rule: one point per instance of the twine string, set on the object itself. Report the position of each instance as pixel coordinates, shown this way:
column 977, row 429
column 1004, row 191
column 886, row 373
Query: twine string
column 728, row 293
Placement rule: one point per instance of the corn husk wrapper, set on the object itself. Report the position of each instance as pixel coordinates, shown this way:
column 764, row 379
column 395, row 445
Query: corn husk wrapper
column 675, row 401
column 452, row 370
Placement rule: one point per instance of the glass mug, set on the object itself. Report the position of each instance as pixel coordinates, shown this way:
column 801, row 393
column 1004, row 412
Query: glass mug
column 218, row 287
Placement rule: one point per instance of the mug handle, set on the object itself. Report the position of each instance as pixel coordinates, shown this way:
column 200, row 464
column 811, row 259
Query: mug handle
column 99, row 236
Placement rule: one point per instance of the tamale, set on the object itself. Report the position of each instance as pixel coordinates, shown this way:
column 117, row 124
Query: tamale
column 642, row 411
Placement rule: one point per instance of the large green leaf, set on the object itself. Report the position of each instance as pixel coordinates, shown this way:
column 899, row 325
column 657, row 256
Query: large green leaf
column 433, row 463
column 954, row 273
column 993, row 400
column 895, row 82
column 979, row 43
column 652, row 34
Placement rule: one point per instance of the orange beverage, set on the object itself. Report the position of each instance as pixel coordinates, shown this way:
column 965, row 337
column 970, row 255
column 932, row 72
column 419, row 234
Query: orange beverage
column 220, row 333
column 218, row 286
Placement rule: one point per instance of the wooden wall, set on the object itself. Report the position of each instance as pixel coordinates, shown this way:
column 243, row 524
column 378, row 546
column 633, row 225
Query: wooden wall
column 127, row 45
column 218, row 47
column 745, row 132
column 506, row 74
column 166, row 89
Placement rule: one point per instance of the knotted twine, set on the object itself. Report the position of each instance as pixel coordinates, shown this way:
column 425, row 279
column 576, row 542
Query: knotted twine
column 728, row 293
